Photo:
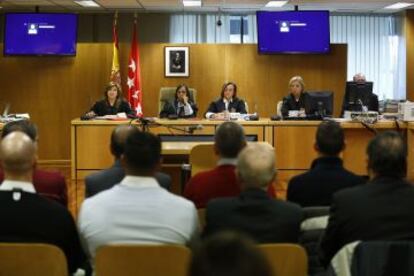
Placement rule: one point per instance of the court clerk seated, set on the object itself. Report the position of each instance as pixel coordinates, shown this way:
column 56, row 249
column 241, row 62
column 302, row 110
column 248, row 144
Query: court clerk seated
column 27, row 217
column 371, row 103
column 112, row 103
column 137, row 210
column 253, row 212
column 182, row 106
column 221, row 181
column 380, row 210
column 297, row 98
column 228, row 102
column 106, row 179
column 327, row 174
column 49, row 184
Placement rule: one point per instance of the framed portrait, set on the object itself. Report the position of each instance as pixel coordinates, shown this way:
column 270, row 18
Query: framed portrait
column 177, row 62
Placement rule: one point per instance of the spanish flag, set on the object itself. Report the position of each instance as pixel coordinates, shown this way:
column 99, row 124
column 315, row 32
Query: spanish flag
column 115, row 73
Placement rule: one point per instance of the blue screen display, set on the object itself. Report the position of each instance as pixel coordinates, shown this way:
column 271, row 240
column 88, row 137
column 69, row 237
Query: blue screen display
column 293, row 32
column 40, row 34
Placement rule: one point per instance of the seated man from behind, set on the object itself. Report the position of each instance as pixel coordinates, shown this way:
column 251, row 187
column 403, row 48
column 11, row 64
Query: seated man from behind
column 327, row 174
column 48, row 184
column 25, row 215
column 255, row 213
column 382, row 209
column 137, row 210
column 107, row 178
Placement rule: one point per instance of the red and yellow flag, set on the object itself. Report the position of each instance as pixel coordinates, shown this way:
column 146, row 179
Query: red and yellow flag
column 115, row 73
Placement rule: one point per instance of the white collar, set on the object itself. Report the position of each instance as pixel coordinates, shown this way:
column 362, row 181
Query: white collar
column 227, row 161
column 227, row 101
column 9, row 185
column 139, row 181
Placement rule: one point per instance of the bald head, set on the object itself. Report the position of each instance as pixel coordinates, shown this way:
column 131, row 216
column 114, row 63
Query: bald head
column 17, row 154
column 118, row 139
column 256, row 166
column 359, row 78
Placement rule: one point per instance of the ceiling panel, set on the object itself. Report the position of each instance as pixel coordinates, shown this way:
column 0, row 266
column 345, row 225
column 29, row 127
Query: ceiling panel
column 123, row 4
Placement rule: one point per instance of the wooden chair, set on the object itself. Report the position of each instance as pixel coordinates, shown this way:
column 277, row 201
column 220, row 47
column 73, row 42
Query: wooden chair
column 32, row 259
column 145, row 260
column 286, row 259
column 202, row 158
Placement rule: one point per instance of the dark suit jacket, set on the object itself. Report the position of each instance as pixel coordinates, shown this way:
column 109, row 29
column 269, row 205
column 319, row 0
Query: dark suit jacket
column 48, row 184
column 38, row 220
column 102, row 108
column 171, row 108
column 289, row 103
column 256, row 214
column 106, row 179
column 316, row 186
column 372, row 104
column 379, row 210
column 237, row 105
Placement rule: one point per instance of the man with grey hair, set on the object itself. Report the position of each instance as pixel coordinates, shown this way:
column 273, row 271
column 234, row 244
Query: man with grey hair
column 254, row 213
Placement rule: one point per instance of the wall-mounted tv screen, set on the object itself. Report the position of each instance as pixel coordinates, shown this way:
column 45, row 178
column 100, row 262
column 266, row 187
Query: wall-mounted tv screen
column 293, row 32
column 40, row 34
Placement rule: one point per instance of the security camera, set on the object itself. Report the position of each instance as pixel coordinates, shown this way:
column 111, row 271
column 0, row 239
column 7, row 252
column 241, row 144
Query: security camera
column 219, row 23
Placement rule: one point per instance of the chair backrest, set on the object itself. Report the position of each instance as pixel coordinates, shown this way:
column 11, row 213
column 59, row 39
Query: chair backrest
column 167, row 94
column 202, row 158
column 32, row 259
column 279, row 108
column 142, row 260
column 286, row 259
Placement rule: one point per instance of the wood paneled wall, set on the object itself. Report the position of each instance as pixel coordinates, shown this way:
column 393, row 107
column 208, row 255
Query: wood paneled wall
column 55, row 90
column 409, row 38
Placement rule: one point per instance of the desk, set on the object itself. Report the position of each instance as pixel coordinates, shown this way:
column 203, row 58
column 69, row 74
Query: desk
column 293, row 142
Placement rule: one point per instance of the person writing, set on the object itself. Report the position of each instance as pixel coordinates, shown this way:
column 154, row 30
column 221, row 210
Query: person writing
column 228, row 102
column 297, row 98
column 112, row 103
column 182, row 106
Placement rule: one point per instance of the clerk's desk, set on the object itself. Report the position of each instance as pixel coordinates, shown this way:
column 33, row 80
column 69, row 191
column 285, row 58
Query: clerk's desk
column 293, row 142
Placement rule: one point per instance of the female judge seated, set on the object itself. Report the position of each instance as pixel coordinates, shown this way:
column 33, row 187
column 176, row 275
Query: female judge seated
column 296, row 100
column 182, row 106
column 112, row 103
column 227, row 102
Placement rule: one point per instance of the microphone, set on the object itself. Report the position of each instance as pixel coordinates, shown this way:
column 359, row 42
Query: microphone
column 191, row 129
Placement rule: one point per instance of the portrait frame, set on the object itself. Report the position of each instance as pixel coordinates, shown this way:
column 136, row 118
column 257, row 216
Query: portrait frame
column 177, row 61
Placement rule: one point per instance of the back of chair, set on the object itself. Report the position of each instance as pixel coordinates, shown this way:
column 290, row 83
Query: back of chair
column 167, row 94
column 142, row 260
column 32, row 259
column 286, row 259
column 202, row 158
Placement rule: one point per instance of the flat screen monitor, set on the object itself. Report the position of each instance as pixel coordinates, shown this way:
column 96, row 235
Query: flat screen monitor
column 293, row 32
column 320, row 104
column 40, row 34
column 356, row 95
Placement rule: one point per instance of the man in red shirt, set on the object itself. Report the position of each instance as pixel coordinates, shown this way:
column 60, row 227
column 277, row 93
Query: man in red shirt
column 51, row 185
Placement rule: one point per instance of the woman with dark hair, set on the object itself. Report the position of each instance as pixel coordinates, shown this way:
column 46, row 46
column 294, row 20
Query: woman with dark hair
column 112, row 103
column 182, row 106
column 228, row 102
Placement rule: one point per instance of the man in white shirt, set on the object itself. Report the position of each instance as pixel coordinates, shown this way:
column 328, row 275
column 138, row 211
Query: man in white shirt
column 137, row 210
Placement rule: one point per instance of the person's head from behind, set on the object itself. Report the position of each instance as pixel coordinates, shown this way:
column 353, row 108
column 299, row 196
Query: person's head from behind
column 113, row 92
column 118, row 139
column 296, row 86
column 18, row 154
column 387, row 155
column 229, row 254
column 256, row 166
column 24, row 126
column 359, row 78
column 142, row 153
column 229, row 140
column 330, row 139
column 181, row 92
column 229, row 91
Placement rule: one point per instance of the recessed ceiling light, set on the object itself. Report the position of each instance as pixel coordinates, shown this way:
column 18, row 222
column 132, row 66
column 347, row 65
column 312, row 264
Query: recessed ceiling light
column 398, row 6
column 87, row 3
column 275, row 4
column 192, row 3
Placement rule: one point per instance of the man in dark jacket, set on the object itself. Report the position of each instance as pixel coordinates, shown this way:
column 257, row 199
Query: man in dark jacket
column 327, row 174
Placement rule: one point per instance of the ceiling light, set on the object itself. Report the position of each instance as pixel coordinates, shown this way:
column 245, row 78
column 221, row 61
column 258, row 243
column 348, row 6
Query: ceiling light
column 192, row 3
column 275, row 4
column 87, row 3
column 398, row 6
